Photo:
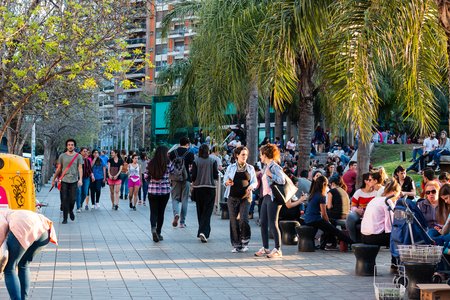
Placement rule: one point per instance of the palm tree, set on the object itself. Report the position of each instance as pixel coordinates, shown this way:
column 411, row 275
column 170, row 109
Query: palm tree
column 367, row 38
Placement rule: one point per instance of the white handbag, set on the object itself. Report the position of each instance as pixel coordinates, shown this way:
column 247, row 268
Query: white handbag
column 4, row 254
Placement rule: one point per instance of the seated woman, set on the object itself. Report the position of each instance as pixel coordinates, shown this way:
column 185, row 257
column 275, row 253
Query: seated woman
column 441, row 232
column 316, row 211
column 338, row 205
column 360, row 199
column 376, row 224
column 429, row 205
column 378, row 186
column 26, row 234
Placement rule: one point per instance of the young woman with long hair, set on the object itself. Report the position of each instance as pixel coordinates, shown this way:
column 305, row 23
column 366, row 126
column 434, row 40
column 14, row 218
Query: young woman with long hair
column 158, row 169
column 316, row 211
column 204, row 174
column 134, row 180
column 99, row 173
column 115, row 164
column 270, row 210
column 360, row 199
column 240, row 180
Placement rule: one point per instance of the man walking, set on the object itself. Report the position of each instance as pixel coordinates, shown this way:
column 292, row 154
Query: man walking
column 181, row 159
column 70, row 173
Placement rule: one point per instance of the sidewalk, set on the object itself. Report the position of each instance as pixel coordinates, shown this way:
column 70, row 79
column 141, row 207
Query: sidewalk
column 108, row 254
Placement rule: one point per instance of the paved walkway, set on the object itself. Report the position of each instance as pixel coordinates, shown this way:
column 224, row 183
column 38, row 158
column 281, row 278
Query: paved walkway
column 108, row 254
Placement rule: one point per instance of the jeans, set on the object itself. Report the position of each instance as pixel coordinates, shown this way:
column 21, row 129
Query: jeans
column 253, row 203
column 353, row 219
column 82, row 192
column 240, row 232
column 158, row 205
column 96, row 189
column 269, row 220
column 17, row 270
column 180, row 194
column 124, row 186
column 68, row 197
column 143, row 189
column 329, row 229
column 205, row 198
column 416, row 152
column 437, row 157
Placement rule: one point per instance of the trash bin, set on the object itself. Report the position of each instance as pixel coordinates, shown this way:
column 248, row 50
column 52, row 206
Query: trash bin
column 16, row 182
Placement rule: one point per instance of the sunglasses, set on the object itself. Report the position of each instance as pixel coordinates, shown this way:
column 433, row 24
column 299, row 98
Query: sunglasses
column 431, row 192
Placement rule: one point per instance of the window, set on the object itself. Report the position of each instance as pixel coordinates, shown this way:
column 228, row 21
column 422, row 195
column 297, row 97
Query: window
column 161, row 49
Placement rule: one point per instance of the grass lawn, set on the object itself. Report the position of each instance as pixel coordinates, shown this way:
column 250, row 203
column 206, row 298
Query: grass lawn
column 388, row 156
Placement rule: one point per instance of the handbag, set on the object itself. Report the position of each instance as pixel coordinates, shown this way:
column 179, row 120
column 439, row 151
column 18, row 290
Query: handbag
column 4, row 255
column 282, row 193
column 65, row 171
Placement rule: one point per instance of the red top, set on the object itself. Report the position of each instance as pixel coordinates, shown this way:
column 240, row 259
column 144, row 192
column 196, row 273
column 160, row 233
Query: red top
column 350, row 180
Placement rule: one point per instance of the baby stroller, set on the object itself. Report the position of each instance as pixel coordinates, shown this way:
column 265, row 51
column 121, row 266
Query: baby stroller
column 410, row 240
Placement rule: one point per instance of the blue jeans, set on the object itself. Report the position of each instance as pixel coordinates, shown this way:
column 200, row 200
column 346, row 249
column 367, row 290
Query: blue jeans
column 143, row 189
column 416, row 152
column 353, row 219
column 180, row 194
column 18, row 283
column 82, row 192
column 437, row 156
column 124, row 185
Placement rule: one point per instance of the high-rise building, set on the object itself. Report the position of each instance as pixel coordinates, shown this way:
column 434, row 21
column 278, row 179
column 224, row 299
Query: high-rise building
column 125, row 124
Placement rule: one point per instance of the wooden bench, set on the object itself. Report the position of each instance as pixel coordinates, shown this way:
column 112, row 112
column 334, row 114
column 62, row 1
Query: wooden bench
column 445, row 163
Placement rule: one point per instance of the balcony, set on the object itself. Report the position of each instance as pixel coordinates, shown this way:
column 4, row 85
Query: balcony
column 176, row 52
column 134, row 102
column 107, row 89
column 136, row 27
column 136, row 43
column 177, row 33
column 190, row 32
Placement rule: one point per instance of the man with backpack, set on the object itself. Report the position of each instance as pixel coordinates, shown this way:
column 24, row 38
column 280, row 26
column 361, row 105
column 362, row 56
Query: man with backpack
column 181, row 160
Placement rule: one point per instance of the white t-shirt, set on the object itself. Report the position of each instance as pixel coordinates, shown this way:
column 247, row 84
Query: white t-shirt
column 430, row 144
column 290, row 145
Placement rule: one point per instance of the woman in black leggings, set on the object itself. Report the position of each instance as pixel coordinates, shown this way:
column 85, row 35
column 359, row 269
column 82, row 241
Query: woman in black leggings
column 270, row 209
column 99, row 172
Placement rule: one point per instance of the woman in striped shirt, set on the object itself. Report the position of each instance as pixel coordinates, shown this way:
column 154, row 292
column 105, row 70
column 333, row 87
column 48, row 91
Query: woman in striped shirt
column 158, row 170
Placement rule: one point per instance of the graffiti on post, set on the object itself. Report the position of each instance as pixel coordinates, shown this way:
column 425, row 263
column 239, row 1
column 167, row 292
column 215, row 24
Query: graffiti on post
column 19, row 188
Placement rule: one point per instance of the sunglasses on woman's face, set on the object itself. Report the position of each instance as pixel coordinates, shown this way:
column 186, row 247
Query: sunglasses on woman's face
column 431, row 192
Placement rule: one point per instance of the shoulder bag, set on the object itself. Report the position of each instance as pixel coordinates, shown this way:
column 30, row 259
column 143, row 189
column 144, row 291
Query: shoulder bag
column 282, row 193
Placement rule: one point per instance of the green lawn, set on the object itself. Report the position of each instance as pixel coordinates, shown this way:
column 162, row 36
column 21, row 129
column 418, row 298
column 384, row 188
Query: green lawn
column 388, row 156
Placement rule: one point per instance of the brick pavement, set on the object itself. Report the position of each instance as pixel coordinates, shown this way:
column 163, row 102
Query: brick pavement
column 108, row 254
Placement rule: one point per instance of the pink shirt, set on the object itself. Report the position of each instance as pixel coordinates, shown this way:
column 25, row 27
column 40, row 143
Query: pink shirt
column 377, row 218
column 27, row 226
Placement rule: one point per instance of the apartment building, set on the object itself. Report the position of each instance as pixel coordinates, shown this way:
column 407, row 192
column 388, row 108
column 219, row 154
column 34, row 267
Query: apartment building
column 126, row 113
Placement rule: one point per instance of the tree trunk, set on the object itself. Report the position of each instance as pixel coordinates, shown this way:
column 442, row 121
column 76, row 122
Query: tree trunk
column 279, row 124
column 49, row 158
column 288, row 127
column 251, row 125
column 363, row 158
column 306, row 114
column 267, row 118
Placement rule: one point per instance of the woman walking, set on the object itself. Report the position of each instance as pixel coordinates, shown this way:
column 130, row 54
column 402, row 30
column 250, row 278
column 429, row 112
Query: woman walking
column 99, row 173
column 204, row 174
column 143, row 189
column 270, row 209
column 158, row 169
column 115, row 164
column 134, row 180
column 240, row 180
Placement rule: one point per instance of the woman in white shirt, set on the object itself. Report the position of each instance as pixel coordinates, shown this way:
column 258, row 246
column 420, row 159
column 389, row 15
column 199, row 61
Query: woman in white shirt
column 376, row 224
column 134, row 180
column 290, row 146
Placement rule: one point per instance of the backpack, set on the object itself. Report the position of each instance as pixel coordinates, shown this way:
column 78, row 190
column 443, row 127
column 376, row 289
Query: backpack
column 178, row 170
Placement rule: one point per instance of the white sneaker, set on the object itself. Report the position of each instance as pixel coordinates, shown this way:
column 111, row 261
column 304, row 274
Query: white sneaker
column 262, row 251
column 78, row 210
column 431, row 163
column 96, row 206
column 437, row 169
column 203, row 238
column 235, row 250
column 275, row 253
column 243, row 249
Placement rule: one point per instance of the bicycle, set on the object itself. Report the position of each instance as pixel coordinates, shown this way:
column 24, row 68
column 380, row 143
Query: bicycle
column 37, row 180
